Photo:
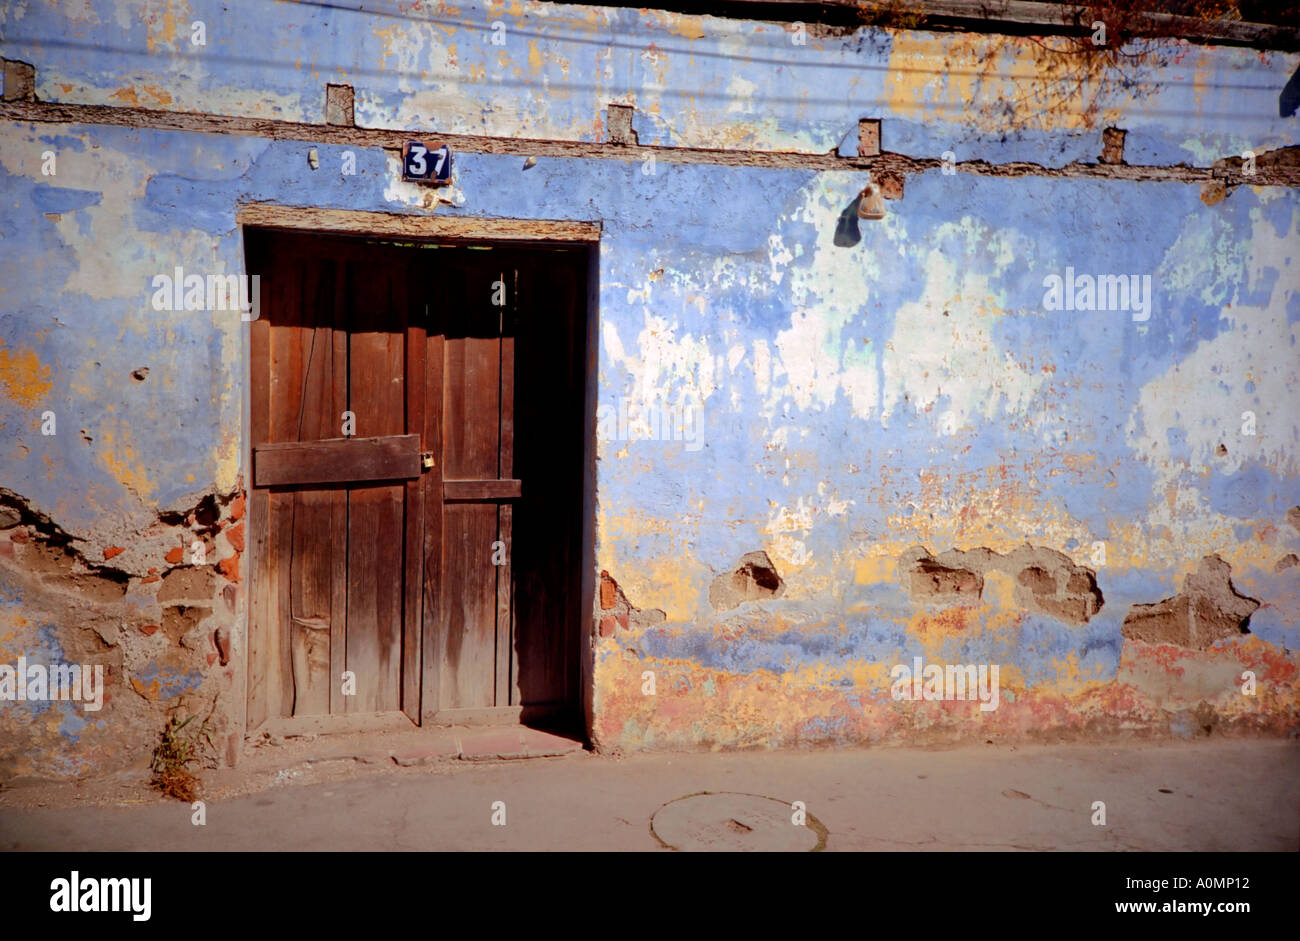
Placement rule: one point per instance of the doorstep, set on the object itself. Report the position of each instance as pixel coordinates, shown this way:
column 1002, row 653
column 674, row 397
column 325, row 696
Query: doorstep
column 416, row 746
column 487, row 744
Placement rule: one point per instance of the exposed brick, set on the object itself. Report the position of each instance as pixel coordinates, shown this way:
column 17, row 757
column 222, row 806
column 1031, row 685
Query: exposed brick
column 113, row 551
column 179, row 620
column 891, row 185
column 339, row 105
column 869, row 137
column 619, row 123
column 229, row 568
column 221, row 637
column 608, row 625
column 150, row 578
column 20, row 81
column 236, row 536
column 174, row 556
column 149, row 629
column 18, row 535
column 194, row 584
column 608, row 592
column 1112, row 145
column 237, row 508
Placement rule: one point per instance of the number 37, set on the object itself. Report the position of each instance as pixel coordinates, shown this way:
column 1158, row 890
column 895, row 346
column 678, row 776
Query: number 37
column 417, row 166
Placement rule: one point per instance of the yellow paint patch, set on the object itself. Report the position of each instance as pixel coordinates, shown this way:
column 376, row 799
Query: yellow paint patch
column 119, row 457
column 690, row 27
column 162, row 27
column 875, row 570
column 672, row 584
column 143, row 94
column 24, row 379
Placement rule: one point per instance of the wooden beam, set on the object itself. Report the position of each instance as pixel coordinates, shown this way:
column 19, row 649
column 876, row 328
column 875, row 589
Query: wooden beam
column 453, row 228
column 1059, row 18
column 336, row 461
column 42, row 112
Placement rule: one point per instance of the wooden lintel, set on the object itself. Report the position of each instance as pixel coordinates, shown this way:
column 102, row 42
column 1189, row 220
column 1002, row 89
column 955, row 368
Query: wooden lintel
column 468, row 228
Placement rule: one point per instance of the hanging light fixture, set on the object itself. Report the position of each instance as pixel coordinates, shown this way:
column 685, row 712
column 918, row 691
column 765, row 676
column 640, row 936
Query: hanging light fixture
column 871, row 202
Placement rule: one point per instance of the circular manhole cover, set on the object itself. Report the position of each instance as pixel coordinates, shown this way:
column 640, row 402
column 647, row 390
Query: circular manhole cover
column 730, row 822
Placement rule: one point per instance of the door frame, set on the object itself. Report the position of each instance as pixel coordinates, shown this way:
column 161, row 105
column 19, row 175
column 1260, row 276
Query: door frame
column 460, row 230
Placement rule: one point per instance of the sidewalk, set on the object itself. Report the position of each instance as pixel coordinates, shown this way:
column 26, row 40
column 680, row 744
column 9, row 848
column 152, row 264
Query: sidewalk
column 1221, row 795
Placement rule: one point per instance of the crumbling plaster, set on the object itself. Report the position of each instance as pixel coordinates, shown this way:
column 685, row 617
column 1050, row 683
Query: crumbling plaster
column 862, row 387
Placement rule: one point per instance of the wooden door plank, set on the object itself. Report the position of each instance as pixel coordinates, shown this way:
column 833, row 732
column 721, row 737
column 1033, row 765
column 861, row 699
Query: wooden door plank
column 411, row 309
column 287, row 336
column 433, row 630
column 309, row 642
column 469, row 676
column 339, row 499
column 505, row 673
column 337, row 460
column 375, row 513
column 311, row 567
column 471, row 451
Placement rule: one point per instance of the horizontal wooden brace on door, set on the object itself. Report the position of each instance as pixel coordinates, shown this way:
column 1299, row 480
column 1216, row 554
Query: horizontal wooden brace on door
column 336, row 461
column 482, row 489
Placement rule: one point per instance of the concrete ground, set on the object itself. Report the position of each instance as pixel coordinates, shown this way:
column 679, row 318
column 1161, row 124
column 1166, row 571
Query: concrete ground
column 1212, row 795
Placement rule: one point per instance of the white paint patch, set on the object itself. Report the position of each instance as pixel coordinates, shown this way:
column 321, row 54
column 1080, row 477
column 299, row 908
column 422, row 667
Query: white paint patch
column 666, row 369
column 1207, row 260
column 418, row 195
column 942, row 346
column 734, row 355
column 832, row 289
column 114, row 259
column 613, row 345
column 1202, row 398
column 762, row 367
column 779, row 256
column 741, row 92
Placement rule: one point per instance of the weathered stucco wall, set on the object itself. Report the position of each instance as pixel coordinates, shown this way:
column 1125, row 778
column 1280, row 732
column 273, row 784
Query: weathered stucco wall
column 861, row 388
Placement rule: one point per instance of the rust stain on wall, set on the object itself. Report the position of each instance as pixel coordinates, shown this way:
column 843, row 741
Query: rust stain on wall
column 25, row 379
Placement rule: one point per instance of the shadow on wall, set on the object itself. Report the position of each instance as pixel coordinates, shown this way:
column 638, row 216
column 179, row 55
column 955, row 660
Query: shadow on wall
column 1289, row 100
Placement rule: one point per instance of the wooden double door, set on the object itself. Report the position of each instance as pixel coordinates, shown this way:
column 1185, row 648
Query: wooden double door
column 417, row 446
